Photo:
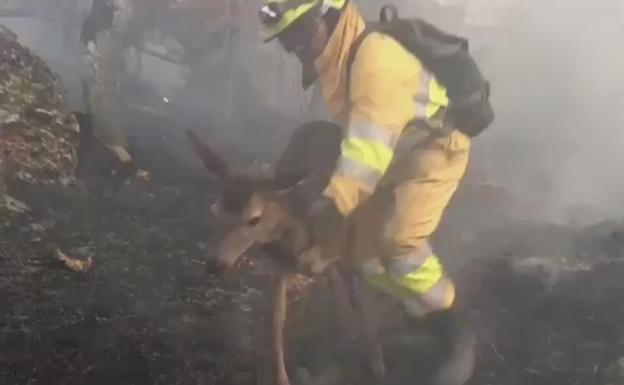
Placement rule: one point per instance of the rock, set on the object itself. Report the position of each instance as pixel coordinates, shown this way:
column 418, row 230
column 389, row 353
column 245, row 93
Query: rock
column 38, row 134
column 613, row 374
column 10, row 204
column 74, row 264
column 7, row 33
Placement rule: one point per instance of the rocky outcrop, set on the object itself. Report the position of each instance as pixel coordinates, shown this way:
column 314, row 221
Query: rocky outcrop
column 38, row 134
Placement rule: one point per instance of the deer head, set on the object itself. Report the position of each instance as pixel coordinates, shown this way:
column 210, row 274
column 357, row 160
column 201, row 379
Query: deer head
column 250, row 209
column 260, row 210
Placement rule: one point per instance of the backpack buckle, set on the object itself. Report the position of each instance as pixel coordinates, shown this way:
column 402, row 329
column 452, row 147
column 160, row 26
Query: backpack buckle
column 388, row 13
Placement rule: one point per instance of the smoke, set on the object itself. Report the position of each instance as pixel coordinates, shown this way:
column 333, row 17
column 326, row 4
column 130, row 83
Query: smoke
column 557, row 88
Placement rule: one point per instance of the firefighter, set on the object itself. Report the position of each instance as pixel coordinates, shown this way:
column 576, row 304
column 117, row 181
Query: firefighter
column 103, row 37
column 389, row 106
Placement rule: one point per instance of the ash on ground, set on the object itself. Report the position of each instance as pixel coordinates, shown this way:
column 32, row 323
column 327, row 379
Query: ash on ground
column 546, row 299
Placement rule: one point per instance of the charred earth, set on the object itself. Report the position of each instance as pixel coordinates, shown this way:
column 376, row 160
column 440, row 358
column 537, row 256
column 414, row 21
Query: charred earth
column 545, row 298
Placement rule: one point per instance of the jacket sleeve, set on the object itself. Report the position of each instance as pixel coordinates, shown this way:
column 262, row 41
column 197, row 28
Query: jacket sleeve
column 383, row 100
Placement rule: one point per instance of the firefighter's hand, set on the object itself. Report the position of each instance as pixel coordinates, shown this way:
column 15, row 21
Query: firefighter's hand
column 327, row 233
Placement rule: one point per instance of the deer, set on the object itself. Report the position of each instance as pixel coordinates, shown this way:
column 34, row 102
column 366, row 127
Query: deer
column 258, row 210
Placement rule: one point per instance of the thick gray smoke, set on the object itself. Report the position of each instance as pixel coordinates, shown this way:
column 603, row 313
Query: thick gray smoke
column 558, row 89
column 557, row 86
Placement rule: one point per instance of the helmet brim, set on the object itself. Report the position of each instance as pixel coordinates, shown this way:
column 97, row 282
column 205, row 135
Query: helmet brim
column 300, row 12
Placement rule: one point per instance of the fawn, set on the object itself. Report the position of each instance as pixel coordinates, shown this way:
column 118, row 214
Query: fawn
column 258, row 210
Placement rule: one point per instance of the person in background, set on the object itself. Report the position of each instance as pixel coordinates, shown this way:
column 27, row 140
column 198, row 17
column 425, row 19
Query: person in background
column 102, row 36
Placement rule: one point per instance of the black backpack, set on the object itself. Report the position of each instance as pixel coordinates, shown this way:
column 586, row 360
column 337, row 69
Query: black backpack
column 448, row 58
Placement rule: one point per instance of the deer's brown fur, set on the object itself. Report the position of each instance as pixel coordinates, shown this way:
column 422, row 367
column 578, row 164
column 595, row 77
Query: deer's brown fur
column 256, row 210
column 259, row 211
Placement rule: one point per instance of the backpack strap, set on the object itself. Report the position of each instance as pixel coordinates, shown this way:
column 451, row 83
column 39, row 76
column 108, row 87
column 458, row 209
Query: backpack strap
column 421, row 141
column 387, row 14
column 384, row 17
column 355, row 46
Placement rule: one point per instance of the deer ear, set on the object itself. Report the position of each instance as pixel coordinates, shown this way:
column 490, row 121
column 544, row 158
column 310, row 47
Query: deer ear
column 302, row 189
column 211, row 160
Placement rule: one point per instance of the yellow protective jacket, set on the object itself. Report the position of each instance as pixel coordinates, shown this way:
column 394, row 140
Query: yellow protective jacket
column 389, row 89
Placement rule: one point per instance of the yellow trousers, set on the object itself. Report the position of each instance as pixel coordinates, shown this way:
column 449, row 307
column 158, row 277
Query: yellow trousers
column 426, row 181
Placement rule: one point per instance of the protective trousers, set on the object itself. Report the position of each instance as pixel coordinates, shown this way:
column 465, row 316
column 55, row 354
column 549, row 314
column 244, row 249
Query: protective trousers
column 408, row 268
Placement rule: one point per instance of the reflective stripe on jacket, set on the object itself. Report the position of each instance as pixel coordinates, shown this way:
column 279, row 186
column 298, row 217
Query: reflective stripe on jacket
column 389, row 88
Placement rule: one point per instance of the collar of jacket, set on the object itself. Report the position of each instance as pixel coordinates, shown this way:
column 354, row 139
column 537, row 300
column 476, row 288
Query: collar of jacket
column 331, row 64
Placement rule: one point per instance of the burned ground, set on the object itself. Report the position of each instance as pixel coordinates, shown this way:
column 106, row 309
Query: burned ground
column 545, row 299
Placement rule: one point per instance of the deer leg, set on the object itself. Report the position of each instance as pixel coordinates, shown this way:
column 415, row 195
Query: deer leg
column 343, row 303
column 280, row 305
column 369, row 324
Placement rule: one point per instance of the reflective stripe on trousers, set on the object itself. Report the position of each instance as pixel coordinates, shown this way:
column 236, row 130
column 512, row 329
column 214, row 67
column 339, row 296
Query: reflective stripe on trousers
column 423, row 288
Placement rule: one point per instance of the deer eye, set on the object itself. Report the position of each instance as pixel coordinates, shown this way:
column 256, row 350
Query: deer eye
column 253, row 221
